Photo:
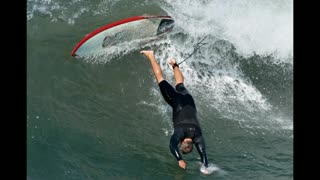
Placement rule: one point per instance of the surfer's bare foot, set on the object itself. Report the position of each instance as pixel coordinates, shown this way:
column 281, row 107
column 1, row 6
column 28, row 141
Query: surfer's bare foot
column 172, row 61
column 148, row 53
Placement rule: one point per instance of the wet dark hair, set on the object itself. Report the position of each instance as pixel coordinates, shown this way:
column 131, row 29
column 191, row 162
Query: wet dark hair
column 186, row 147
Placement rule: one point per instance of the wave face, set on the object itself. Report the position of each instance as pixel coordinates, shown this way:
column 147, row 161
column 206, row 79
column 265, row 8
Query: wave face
column 245, row 70
column 104, row 116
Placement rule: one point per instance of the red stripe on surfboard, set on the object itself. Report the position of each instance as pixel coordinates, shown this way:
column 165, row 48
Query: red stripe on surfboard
column 108, row 26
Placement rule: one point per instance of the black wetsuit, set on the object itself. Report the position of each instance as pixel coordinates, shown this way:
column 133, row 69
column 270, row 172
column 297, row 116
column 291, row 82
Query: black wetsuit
column 185, row 120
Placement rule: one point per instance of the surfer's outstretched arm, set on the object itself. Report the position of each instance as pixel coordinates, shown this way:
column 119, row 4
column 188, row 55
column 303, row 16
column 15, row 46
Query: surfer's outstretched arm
column 199, row 142
column 155, row 66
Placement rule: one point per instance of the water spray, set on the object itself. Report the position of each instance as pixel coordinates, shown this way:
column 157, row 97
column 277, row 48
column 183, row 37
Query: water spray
column 196, row 47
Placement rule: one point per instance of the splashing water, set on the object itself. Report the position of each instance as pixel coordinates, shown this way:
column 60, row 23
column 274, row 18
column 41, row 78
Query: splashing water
column 257, row 26
column 235, row 29
column 210, row 169
column 241, row 82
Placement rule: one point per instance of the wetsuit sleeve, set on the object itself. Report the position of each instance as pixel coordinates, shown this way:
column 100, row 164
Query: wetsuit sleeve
column 174, row 141
column 199, row 142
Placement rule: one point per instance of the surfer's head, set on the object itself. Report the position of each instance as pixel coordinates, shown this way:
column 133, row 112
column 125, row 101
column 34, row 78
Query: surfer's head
column 186, row 146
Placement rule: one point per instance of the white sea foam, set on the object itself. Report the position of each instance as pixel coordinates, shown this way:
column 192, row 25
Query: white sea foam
column 225, row 86
column 210, row 169
column 264, row 27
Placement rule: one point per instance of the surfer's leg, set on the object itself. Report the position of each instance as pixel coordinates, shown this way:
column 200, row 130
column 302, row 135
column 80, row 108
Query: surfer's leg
column 155, row 66
column 177, row 73
column 167, row 92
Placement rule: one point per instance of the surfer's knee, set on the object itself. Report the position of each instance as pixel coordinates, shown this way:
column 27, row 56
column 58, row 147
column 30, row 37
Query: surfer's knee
column 159, row 76
column 160, row 80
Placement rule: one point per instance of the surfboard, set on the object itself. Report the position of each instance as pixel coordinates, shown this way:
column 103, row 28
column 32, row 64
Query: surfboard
column 125, row 30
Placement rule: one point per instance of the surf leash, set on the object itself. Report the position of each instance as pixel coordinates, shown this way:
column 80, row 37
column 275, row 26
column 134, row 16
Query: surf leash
column 196, row 47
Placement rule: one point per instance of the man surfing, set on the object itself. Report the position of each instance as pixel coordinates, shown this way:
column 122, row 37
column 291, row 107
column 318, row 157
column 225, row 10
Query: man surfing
column 187, row 129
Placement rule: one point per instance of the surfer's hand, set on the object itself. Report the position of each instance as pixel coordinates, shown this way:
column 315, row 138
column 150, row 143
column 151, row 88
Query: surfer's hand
column 148, row 53
column 182, row 164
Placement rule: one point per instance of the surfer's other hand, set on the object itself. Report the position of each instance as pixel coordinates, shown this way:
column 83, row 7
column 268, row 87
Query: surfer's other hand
column 182, row 164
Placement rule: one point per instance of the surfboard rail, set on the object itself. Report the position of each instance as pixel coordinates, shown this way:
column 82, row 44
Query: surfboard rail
column 111, row 25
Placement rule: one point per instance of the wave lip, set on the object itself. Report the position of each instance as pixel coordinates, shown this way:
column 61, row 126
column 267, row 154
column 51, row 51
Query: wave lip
column 253, row 26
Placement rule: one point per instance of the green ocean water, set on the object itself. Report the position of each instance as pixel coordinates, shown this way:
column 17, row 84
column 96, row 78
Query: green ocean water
column 108, row 120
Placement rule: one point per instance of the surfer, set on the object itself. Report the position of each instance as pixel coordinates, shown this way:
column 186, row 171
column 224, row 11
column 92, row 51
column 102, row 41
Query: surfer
column 187, row 129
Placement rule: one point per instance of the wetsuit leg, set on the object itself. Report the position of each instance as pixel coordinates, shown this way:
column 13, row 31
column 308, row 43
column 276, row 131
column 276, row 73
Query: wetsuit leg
column 180, row 88
column 167, row 91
